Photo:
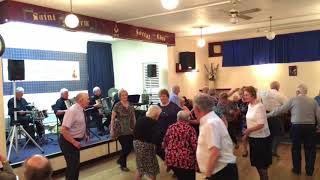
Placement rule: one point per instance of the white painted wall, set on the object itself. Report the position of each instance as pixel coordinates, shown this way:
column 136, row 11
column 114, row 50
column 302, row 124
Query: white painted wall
column 128, row 59
column 259, row 76
column 189, row 82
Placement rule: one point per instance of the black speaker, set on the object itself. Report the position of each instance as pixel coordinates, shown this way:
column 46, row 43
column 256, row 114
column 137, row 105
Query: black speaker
column 152, row 70
column 187, row 60
column 15, row 70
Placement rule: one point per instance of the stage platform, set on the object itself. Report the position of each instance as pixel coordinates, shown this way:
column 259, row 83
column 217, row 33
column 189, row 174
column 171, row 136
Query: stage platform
column 50, row 147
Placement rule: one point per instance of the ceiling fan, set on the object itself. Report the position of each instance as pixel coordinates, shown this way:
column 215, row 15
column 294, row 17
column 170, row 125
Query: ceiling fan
column 235, row 14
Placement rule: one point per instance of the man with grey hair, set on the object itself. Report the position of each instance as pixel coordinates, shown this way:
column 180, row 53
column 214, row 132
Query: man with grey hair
column 215, row 149
column 305, row 115
column 273, row 99
column 60, row 107
column 37, row 167
column 22, row 115
column 174, row 96
column 73, row 131
column 97, row 112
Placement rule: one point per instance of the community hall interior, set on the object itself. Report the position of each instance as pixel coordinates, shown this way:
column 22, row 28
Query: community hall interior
column 142, row 47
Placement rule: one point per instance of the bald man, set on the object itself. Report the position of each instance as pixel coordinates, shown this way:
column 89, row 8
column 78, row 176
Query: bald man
column 73, row 131
column 37, row 167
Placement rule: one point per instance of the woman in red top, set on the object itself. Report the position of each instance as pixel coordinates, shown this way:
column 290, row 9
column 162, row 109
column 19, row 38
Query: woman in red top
column 180, row 144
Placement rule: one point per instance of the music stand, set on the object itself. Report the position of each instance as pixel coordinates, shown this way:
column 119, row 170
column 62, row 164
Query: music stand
column 13, row 134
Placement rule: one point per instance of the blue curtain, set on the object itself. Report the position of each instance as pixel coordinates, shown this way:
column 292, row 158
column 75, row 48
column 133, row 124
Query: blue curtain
column 100, row 66
column 287, row 48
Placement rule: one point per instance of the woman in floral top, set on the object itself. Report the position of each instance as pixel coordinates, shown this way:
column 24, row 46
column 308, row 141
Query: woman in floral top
column 180, row 144
column 124, row 114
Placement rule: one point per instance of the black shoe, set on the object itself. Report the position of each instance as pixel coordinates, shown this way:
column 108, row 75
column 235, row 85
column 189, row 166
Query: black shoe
column 309, row 173
column 125, row 169
column 118, row 161
column 295, row 171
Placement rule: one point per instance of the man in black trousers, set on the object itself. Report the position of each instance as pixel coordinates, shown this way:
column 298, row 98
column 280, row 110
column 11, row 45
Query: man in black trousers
column 72, row 132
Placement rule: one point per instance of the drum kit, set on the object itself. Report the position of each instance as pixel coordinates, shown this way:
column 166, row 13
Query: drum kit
column 36, row 116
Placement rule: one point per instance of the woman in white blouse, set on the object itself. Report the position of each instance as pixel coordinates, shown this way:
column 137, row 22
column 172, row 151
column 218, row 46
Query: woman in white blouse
column 257, row 133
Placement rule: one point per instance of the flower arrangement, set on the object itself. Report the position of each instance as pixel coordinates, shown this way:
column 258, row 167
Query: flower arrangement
column 212, row 72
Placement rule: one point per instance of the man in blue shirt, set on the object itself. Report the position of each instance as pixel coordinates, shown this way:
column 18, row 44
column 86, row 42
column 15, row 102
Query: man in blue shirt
column 174, row 95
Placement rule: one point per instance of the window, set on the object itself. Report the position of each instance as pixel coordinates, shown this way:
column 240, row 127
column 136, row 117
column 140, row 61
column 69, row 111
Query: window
column 151, row 84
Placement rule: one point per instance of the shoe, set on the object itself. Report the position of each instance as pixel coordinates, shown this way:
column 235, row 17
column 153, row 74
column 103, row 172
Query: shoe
column 295, row 171
column 125, row 169
column 118, row 161
column 309, row 173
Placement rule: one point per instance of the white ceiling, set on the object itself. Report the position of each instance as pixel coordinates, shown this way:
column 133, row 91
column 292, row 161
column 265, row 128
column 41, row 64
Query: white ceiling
column 290, row 14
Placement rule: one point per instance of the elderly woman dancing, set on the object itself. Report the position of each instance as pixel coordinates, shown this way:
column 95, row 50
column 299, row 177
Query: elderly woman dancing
column 145, row 139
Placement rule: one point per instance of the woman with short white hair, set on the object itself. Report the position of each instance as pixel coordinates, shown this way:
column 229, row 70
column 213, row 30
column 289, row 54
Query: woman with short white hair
column 146, row 136
column 180, row 144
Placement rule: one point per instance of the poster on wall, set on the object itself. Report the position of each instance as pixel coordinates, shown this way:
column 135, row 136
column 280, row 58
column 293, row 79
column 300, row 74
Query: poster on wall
column 47, row 70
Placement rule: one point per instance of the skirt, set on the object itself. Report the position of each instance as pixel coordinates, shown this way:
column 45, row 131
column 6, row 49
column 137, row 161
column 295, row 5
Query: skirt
column 146, row 160
column 260, row 152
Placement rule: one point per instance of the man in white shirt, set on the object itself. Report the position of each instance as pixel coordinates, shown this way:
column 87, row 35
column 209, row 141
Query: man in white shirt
column 273, row 99
column 215, row 148
column 73, row 131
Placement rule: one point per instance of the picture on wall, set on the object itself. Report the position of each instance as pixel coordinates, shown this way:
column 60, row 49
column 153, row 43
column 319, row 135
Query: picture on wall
column 215, row 49
column 293, row 71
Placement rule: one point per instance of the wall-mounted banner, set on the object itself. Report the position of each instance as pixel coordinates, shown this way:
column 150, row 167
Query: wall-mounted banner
column 17, row 11
column 47, row 70
column 126, row 31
